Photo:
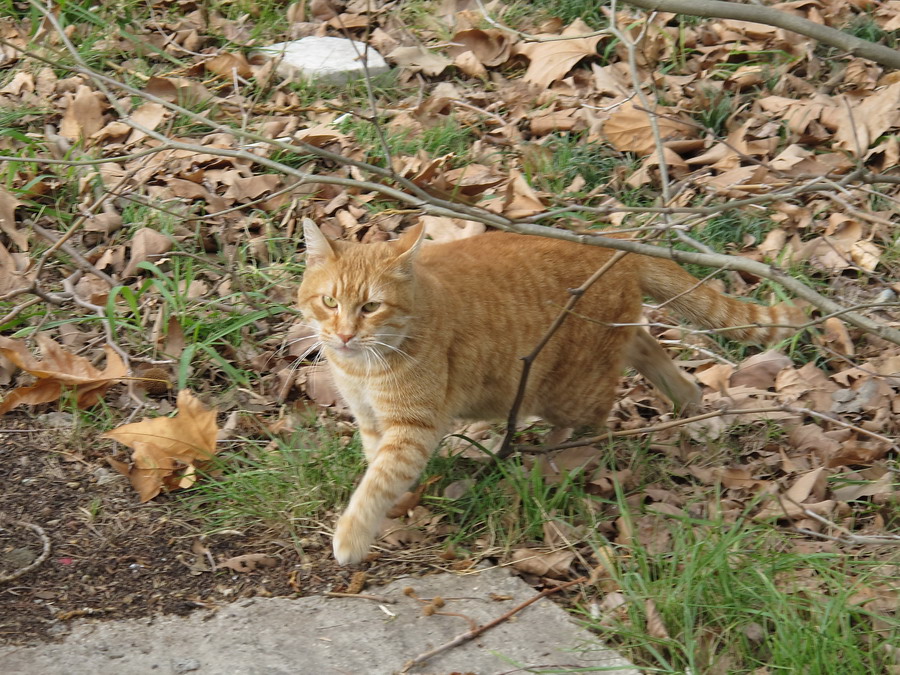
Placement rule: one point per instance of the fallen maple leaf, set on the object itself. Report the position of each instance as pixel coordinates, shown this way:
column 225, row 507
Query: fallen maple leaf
column 84, row 114
column 418, row 58
column 629, row 129
column 59, row 368
column 543, row 563
column 167, row 449
column 551, row 60
column 146, row 243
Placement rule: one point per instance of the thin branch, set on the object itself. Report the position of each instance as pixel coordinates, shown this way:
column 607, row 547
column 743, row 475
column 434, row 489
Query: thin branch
column 362, row 596
column 45, row 547
column 474, row 633
column 651, row 429
column 773, row 17
column 786, row 408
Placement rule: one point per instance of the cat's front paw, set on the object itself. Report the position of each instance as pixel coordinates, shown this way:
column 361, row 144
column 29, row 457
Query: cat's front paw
column 351, row 540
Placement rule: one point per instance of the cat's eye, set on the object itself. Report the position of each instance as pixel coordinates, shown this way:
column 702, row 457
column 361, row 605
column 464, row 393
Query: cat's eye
column 329, row 302
column 370, row 307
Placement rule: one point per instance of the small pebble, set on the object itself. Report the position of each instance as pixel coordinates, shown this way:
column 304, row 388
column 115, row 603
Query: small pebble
column 57, row 420
column 186, row 665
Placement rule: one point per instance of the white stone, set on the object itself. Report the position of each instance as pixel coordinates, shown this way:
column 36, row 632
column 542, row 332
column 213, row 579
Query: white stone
column 326, row 59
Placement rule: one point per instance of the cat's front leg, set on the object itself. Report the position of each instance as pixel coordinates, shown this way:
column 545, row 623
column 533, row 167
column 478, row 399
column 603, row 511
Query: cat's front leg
column 401, row 457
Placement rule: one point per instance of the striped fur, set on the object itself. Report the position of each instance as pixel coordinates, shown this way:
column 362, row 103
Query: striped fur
column 450, row 326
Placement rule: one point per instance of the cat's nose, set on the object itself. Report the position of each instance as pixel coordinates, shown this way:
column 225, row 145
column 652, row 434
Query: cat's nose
column 345, row 337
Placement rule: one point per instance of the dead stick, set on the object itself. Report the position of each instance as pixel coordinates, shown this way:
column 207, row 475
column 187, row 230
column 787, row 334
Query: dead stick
column 362, row 596
column 575, row 296
column 45, row 544
column 475, row 632
column 658, row 427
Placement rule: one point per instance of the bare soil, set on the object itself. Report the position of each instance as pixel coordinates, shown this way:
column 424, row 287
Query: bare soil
column 112, row 557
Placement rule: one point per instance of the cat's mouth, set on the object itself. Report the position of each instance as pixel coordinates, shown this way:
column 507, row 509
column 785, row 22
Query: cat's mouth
column 346, row 348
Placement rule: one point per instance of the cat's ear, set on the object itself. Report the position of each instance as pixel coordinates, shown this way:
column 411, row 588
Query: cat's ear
column 409, row 243
column 318, row 249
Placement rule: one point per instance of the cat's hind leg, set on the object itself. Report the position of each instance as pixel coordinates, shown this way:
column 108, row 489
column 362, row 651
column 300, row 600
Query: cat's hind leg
column 649, row 358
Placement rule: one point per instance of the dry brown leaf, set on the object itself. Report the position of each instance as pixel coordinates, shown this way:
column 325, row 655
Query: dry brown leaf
column 655, row 626
column 249, row 562
column 410, row 500
column 149, row 115
column 473, row 179
column 395, row 534
column 550, row 61
column 59, row 368
column 167, row 449
column 651, row 531
column 859, row 125
column 418, row 58
column 836, row 336
column 629, row 129
column 716, row 377
column 490, row 47
column 866, row 254
column 319, row 135
column 810, row 484
column 245, row 189
column 858, row 453
column 543, row 563
column 808, row 384
column 180, row 90
column 559, row 533
column 458, row 488
column 738, row 478
column 319, row 385
column 441, row 228
column 12, row 278
column 884, row 485
column 145, row 243
column 555, row 467
column 760, row 370
column 468, row 63
column 546, row 122
column 8, row 205
column 83, row 116
column 520, row 200
column 779, row 508
column 228, row 64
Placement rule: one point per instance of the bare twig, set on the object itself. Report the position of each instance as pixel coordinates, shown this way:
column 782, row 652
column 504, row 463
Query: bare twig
column 662, row 426
column 45, row 544
column 362, row 596
column 474, row 633
column 773, row 17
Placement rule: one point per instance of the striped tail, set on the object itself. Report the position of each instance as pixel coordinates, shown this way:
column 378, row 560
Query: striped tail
column 671, row 285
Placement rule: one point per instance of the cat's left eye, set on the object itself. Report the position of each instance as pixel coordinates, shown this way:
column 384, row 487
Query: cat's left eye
column 329, row 302
column 370, row 307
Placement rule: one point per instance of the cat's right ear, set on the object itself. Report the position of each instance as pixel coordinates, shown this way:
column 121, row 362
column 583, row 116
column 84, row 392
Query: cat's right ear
column 318, row 249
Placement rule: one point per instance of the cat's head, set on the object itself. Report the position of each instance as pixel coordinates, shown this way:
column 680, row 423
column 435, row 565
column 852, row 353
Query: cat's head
column 359, row 298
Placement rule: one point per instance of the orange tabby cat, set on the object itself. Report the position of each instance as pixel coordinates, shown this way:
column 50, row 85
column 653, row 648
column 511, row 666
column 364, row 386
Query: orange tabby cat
column 419, row 335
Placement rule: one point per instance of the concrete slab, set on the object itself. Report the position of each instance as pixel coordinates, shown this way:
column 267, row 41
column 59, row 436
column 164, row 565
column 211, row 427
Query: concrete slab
column 326, row 59
column 333, row 636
